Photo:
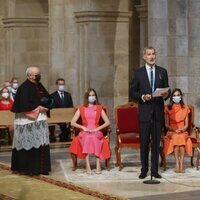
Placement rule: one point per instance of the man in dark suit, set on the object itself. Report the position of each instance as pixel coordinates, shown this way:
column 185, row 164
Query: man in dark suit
column 62, row 99
column 150, row 109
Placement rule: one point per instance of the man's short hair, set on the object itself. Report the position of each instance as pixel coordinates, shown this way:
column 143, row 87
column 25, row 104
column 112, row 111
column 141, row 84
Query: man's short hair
column 30, row 69
column 60, row 79
column 147, row 48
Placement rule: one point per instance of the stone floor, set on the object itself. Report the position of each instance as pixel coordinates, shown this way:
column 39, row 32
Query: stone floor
column 125, row 183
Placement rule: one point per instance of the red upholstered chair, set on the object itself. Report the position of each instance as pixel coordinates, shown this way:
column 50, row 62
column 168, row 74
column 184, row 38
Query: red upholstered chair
column 127, row 129
column 106, row 141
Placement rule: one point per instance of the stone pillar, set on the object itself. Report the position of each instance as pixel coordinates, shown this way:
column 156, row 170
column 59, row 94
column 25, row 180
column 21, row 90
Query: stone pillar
column 143, row 15
column 26, row 39
column 103, row 54
column 89, row 47
column 2, row 45
column 192, row 64
column 56, row 41
column 24, row 46
column 174, row 31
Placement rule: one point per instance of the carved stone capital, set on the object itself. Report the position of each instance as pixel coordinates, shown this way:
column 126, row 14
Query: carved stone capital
column 142, row 10
column 102, row 16
column 12, row 22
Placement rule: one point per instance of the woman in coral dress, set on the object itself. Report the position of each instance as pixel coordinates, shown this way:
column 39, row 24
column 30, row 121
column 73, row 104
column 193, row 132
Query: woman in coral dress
column 176, row 122
column 90, row 139
column 6, row 102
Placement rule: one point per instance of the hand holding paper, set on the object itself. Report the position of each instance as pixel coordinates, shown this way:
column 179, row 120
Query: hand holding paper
column 160, row 91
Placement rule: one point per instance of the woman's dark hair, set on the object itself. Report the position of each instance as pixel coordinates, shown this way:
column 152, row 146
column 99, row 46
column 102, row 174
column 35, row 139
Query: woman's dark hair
column 1, row 91
column 171, row 98
column 85, row 103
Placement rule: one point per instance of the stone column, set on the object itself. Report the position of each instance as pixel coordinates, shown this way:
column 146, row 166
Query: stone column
column 56, row 41
column 103, row 54
column 26, row 44
column 2, row 44
column 143, row 15
column 192, row 67
column 26, row 38
column 174, row 31
column 9, row 11
column 89, row 45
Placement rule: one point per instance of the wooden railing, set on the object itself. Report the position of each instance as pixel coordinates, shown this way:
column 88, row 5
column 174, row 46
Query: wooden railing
column 57, row 115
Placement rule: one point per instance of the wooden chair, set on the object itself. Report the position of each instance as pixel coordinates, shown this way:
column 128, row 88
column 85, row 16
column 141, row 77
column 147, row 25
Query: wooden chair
column 195, row 141
column 127, row 129
column 6, row 119
column 106, row 140
column 195, row 137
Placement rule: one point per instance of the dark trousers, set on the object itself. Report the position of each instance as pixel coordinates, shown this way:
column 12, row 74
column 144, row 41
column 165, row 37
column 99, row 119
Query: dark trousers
column 150, row 133
column 65, row 132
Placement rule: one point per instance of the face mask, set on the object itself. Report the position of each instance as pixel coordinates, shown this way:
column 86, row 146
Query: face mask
column 5, row 95
column 61, row 87
column 9, row 88
column 176, row 99
column 15, row 85
column 91, row 99
column 37, row 77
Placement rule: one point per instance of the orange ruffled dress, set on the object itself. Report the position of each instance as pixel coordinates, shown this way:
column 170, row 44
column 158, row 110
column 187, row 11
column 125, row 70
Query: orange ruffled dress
column 177, row 117
column 90, row 143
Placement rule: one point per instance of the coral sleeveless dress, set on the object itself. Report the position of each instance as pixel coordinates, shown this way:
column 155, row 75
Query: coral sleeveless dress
column 6, row 106
column 177, row 117
column 90, row 142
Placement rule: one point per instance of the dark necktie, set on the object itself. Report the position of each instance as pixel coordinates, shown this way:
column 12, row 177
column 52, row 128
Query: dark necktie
column 151, row 81
column 62, row 98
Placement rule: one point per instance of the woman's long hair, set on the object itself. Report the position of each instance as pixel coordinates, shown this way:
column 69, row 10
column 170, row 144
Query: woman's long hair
column 85, row 103
column 171, row 98
column 1, row 91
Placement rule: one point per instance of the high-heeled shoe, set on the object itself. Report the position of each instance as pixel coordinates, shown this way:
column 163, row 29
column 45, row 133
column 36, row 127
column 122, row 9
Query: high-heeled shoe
column 98, row 172
column 89, row 172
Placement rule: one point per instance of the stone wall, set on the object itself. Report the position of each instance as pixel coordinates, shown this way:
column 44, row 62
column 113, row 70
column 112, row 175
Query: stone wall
column 89, row 47
column 25, row 27
column 174, row 31
column 96, row 43
column 2, row 42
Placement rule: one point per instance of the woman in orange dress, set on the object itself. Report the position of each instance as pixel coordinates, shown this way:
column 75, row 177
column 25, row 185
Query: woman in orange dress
column 176, row 122
column 90, row 139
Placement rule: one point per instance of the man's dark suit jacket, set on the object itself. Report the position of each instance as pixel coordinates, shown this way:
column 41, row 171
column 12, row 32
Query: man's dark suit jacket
column 140, row 85
column 68, row 103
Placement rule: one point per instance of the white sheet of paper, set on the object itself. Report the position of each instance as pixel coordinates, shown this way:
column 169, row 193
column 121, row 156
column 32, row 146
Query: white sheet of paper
column 159, row 91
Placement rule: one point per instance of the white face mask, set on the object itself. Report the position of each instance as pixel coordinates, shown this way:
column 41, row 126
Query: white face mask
column 5, row 95
column 15, row 85
column 91, row 99
column 61, row 87
column 176, row 99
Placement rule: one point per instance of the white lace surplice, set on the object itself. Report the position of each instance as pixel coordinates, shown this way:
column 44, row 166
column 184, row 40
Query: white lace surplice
column 30, row 133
